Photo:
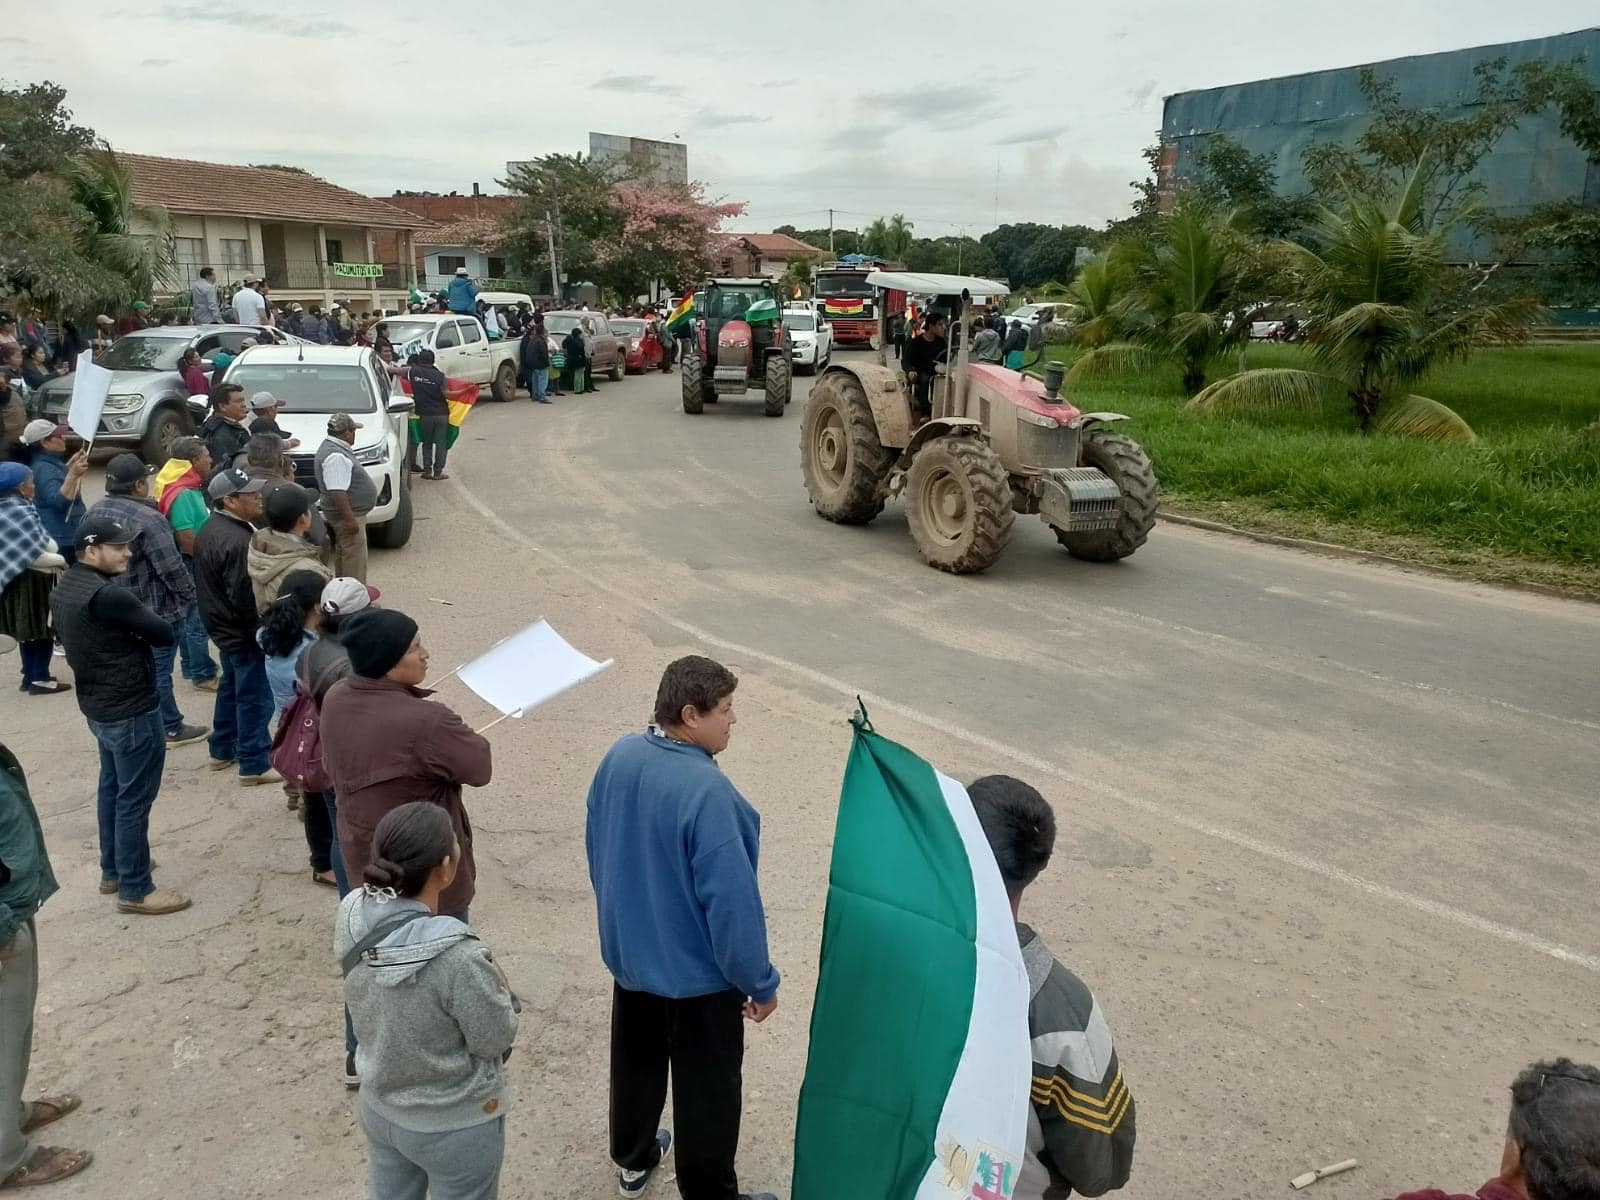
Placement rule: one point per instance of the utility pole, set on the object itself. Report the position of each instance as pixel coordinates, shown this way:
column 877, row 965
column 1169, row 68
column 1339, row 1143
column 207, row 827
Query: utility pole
column 831, row 250
column 555, row 265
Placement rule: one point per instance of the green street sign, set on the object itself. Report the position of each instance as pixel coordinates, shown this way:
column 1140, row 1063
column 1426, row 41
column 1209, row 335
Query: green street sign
column 357, row 270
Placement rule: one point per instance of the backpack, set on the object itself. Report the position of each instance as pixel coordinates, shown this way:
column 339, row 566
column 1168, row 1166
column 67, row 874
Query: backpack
column 296, row 752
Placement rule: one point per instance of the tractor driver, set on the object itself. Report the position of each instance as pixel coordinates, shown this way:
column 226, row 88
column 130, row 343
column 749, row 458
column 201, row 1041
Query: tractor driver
column 922, row 355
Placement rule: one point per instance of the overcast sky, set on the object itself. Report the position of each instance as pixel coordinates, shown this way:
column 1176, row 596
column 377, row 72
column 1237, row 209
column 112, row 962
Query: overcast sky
column 792, row 107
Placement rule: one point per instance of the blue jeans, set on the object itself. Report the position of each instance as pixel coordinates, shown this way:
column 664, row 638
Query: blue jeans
column 132, row 753
column 171, row 718
column 539, row 382
column 193, row 644
column 244, row 709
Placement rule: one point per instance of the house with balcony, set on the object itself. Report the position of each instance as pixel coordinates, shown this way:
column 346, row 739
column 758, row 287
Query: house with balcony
column 312, row 241
column 465, row 232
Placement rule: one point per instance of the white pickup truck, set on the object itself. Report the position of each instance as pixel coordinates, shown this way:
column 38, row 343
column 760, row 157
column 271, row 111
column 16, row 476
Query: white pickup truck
column 460, row 348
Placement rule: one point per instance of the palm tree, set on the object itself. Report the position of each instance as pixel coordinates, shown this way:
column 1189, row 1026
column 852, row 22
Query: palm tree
column 889, row 237
column 1181, row 297
column 1385, row 309
column 1096, row 292
column 133, row 241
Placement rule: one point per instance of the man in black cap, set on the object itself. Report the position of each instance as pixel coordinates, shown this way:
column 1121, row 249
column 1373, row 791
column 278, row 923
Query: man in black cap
column 157, row 575
column 228, row 608
column 923, row 354
column 348, row 495
column 108, row 634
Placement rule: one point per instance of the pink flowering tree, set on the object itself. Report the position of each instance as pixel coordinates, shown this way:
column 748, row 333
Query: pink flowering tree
column 666, row 231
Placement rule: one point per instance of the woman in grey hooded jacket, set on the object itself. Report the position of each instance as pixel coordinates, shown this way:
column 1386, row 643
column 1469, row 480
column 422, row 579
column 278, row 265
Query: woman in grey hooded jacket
column 433, row 1015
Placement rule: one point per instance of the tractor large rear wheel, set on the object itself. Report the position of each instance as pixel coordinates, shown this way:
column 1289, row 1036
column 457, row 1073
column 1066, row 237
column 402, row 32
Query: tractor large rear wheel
column 689, row 378
column 1128, row 466
column 958, row 503
column 778, row 383
column 841, row 458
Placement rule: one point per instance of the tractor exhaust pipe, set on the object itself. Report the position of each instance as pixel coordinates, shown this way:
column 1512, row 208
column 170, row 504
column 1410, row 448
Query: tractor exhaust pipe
column 1054, row 374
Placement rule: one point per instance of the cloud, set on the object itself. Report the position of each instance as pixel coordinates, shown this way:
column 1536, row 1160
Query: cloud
column 250, row 19
column 648, row 84
column 948, row 110
column 861, row 138
column 1139, row 96
column 706, row 119
column 156, row 62
column 1042, row 134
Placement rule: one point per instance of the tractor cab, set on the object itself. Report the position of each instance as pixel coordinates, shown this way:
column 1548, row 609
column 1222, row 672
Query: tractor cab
column 743, row 345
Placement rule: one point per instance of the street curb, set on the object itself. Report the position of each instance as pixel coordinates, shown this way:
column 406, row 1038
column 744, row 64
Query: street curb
column 1333, row 550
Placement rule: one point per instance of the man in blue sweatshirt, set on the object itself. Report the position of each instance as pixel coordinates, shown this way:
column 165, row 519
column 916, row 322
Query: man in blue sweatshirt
column 672, row 855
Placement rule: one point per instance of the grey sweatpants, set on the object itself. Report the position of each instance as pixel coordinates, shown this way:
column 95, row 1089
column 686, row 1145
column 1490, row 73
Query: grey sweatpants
column 19, row 989
column 463, row 1164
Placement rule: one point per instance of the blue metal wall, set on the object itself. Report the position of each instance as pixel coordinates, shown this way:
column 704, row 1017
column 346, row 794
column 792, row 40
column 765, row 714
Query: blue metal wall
column 1530, row 165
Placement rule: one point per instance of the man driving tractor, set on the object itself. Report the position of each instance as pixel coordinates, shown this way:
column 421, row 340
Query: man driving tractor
column 923, row 353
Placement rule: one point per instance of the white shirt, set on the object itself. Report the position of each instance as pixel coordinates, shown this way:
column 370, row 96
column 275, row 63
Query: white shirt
column 336, row 471
column 249, row 307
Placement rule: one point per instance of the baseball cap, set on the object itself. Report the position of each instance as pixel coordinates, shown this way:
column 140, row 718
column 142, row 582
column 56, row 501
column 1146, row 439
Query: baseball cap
column 262, row 401
column 35, row 432
column 102, row 531
column 126, row 470
column 233, row 482
column 249, row 279
column 344, row 595
column 340, row 422
column 140, row 305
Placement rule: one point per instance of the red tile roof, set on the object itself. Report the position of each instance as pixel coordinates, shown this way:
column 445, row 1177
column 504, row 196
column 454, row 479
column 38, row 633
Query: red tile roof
column 445, row 209
column 183, row 185
column 779, row 245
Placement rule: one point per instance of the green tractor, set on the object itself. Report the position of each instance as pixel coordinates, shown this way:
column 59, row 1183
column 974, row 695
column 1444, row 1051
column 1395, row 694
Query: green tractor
column 741, row 345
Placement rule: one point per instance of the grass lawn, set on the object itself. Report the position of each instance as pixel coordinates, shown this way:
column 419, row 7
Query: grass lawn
column 1523, row 503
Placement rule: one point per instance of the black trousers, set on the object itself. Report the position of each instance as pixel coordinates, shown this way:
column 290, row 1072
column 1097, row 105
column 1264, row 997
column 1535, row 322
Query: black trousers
column 701, row 1039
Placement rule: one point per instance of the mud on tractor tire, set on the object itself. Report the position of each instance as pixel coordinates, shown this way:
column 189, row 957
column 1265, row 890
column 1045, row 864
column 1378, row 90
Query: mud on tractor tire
column 778, row 382
column 841, row 458
column 1126, row 464
column 958, row 504
column 689, row 378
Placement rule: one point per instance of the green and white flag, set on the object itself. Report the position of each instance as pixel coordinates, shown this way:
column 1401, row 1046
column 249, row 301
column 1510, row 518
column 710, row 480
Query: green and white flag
column 917, row 1079
column 761, row 310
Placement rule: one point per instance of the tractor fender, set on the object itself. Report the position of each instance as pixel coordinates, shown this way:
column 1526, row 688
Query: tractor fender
column 1099, row 418
column 938, row 427
column 891, row 412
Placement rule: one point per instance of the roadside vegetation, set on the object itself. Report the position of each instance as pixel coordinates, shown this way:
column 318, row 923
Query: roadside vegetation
column 1522, row 502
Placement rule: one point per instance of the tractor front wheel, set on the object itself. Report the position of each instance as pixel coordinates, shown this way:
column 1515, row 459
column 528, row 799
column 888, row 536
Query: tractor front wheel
column 778, row 382
column 689, row 378
column 958, row 503
column 1124, row 461
column 841, row 458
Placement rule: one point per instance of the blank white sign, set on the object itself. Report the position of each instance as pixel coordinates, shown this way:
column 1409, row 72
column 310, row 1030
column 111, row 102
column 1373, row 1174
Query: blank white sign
column 528, row 668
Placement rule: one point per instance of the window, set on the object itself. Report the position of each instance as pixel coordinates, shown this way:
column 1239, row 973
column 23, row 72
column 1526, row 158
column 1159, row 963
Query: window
column 471, row 332
column 449, row 264
column 447, row 336
column 335, row 250
column 190, row 256
column 497, row 268
column 599, row 327
column 208, row 347
column 233, row 340
column 235, row 255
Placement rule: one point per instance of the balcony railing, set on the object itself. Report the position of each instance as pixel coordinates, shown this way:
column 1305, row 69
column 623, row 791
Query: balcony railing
column 438, row 283
column 298, row 274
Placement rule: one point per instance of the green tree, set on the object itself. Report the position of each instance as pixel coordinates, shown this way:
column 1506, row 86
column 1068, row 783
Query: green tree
column 798, row 276
column 574, row 192
column 1185, row 296
column 36, row 132
column 845, row 241
column 1097, row 295
column 890, row 237
column 1227, row 176
column 950, row 256
column 1386, row 309
column 134, row 241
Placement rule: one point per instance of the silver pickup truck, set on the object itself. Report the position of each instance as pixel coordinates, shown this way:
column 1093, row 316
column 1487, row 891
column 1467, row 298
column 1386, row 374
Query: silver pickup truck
column 147, row 409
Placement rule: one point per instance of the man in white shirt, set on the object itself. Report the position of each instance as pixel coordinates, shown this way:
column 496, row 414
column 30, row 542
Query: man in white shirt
column 248, row 305
column 347, row 496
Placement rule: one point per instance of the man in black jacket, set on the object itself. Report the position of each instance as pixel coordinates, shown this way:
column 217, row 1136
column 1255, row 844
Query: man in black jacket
column 108, row 634
column 536, row 360
column 225, row 431
column 228, row 609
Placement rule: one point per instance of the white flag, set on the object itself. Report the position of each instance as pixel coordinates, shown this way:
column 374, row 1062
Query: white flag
column 528, row 668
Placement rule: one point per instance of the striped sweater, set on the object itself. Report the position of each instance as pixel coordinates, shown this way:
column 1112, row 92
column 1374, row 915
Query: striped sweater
column 1081, row 1123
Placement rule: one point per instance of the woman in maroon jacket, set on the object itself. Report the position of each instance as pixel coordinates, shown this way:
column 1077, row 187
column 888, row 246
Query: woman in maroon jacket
column 385, row 743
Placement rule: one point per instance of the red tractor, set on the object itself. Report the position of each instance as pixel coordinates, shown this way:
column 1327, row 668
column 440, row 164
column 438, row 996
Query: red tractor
column 741, row 346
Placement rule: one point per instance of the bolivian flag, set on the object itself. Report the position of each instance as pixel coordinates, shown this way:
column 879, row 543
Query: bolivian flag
column 917, row 1082
column 682, row 315
column 459, row 397
column 843, row 308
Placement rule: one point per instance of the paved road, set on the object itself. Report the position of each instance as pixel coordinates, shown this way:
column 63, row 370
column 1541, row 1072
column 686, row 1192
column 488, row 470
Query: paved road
column 1328, row 848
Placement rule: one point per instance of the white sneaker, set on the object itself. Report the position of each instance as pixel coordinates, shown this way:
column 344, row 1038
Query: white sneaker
column 633, row 1183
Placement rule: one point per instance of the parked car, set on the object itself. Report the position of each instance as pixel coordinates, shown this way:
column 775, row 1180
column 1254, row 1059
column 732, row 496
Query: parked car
column 811, row 339
column 310, row 382
column 461, row 349
column 1034, row 314
column 639, row 354
column 147, row 409
column 607, row 352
